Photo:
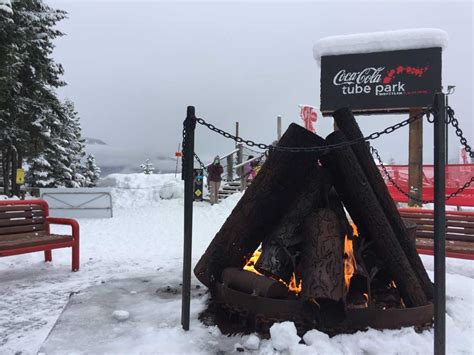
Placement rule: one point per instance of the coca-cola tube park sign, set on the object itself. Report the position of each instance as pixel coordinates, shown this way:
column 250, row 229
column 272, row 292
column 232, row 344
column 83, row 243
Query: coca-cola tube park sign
column 392, row 81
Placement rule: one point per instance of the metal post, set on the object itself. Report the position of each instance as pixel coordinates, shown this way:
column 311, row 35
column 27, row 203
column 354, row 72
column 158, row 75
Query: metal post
column 190, row 125
column 236, row 131
column 439, row 225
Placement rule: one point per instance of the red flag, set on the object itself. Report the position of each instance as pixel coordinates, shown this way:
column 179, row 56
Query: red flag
column 309, row 116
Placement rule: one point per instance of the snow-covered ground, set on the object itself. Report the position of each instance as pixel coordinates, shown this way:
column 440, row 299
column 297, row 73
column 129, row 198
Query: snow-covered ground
column 144, row 239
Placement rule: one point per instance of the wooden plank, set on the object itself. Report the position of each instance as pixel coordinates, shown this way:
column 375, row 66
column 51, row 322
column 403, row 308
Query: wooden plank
column 22, row 221
column 21, row 229
column 453, row 247
column 21, row 208
column 449, row 236
column 30, row 240
column 26, row 214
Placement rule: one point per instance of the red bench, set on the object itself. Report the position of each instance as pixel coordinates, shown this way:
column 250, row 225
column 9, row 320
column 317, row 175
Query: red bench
column 24, row 228
column 459, row 232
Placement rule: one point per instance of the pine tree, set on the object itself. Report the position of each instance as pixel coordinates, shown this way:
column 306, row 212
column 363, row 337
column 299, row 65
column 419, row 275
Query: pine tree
column 148, row 167
column 91, row 172
column 29, row 107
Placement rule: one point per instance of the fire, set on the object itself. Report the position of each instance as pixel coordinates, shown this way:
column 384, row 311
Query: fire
column 250, row 266
column 349, row 261
column 293, row 286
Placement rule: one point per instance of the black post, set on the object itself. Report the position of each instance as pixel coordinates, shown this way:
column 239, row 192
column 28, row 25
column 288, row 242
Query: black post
column 188, row 165
column 439, row 225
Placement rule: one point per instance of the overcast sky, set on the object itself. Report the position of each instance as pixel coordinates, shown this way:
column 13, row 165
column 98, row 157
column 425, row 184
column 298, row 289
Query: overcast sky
column 133, row 67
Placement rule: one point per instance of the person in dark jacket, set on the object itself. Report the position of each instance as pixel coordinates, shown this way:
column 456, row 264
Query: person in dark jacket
column 214, row 172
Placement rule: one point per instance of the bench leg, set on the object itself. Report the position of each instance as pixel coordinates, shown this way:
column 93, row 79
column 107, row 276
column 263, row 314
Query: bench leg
column 75, row 258
column 48, row 256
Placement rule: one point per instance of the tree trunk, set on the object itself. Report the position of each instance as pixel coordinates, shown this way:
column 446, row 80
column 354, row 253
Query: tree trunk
column 263, row 204
column 358, row 197
column 279, row 250
column 347, row 124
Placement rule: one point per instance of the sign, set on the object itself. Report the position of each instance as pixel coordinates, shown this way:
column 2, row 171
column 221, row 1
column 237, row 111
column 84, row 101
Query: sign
column 381, row 82
column 198, row 189
column 20, row 176
column 309, row 116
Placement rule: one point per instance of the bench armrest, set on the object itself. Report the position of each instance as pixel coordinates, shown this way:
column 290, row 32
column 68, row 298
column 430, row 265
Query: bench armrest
column 67, row 222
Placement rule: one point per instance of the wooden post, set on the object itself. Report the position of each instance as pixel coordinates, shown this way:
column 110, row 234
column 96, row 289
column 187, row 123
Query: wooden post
column 230, row 167
column 415, row 158
column 278, row 127
column 237, row 132
column 240, row 160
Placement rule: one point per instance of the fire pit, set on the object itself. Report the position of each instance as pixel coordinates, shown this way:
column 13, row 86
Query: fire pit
column 288, row 251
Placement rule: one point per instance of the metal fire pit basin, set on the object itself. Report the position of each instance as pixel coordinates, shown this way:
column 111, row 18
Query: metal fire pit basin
column 274, row 309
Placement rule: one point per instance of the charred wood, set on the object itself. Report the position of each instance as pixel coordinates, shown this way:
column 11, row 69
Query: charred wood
column 263, row 204
column 347, row 124
column 357, row 195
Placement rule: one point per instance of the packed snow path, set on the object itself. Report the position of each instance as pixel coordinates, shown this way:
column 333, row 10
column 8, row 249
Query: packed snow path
column 144, row 239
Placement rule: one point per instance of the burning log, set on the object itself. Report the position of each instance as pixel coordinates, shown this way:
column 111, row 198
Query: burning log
column 357, row 195
column 323, row 256
column 280, row 249
column 254, row 284
column 276, row 187
column 346, row 123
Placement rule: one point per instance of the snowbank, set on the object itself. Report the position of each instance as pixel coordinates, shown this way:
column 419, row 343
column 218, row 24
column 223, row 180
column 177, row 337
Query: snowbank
column 380, row 41
column 139, row 190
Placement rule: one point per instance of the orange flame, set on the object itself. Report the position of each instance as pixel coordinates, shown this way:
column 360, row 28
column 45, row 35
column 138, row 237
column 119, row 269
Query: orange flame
column 250, row 266
column 349, row 261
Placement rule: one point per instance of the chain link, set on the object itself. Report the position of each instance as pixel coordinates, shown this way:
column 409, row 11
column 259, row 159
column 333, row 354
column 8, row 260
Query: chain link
column 455, row 123
column 320, row 149
column 394, row 183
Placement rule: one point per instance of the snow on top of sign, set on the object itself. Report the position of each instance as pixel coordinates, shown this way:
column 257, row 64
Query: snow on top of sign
column 380, row 41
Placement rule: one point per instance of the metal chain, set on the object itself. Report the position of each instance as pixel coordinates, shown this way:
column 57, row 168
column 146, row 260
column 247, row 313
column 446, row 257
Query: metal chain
column 203, row 167
column 322, row 149
column 455, row 123
column 394, row 183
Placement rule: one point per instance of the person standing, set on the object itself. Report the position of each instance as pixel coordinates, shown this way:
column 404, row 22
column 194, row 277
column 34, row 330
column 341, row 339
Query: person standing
column 214, row 172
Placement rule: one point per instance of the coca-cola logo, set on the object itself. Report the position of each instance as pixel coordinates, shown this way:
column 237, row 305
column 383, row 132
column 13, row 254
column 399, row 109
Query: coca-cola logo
column 368, row 75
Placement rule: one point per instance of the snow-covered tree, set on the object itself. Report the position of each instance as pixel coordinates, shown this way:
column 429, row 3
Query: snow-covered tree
column 91, row 171
column 28, row 76
column 148, row 167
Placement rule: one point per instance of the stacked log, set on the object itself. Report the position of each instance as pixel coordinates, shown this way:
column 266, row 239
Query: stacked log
column 347, row 124
column 275, row 188
column 361, row 202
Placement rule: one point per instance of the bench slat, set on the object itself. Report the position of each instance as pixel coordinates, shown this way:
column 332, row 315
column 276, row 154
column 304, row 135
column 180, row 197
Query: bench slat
column 429, row 216
column 31, row 239
column 21, row 221
column 464, row 247
column 21, row 229
column 26, row 214
column 21, row 208
column 449, row 236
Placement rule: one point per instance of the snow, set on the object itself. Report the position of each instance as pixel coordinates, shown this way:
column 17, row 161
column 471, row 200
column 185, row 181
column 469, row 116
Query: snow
column 380, row 41
column 252, row 342
column 283, row 336
column 5, row 5
column 144, row 241
column 121, row 315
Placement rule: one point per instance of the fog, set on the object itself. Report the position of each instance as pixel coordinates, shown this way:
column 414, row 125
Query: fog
column 133, row 67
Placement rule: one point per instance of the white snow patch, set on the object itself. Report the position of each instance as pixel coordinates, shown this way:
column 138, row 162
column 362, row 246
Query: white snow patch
column 252, row 342
column 380, row 41
column 121, row 315
column 5, row 5
column 283, row 336
column 172, row 189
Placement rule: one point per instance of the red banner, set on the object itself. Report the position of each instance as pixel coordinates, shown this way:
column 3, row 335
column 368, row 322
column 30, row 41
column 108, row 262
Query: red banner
column 456, row 176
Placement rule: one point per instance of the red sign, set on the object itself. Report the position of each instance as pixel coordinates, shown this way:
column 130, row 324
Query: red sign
column 309, row 116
